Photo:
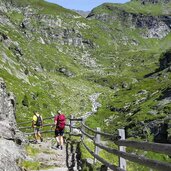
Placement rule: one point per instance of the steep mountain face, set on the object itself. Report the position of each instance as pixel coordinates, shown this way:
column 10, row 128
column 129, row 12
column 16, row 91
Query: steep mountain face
column 151, row 26
column 54, row 58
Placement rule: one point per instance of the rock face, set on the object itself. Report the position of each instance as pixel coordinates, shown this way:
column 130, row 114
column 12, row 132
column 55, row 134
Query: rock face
column 156, row 26
column 7, row 105
column 10, row 139
column 154, row 1
column 51, row 28
column 165, row 61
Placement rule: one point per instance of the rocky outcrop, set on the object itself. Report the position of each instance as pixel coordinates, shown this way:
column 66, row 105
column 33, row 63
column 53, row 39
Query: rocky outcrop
column 51, row 27
column 7, row 105
column 164, row 66
column 165, row 61
column 66, row 72
column 159, row 131
column 156, row 26
column 10, row 138
column 144, row 2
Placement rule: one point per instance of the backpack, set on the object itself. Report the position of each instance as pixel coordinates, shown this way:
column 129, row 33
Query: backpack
column 61, row 122
column 39, row 121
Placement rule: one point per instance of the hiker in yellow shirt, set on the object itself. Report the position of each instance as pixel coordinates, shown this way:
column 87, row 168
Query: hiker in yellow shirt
column 37, row 123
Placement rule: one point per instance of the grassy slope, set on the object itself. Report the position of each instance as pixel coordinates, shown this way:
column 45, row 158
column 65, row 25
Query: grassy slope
column 136, row 7
column 143, row 59
column 52, row 90
column 47, row 90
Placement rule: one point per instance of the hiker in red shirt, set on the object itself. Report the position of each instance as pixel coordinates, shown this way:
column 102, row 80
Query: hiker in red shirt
column 59, row 121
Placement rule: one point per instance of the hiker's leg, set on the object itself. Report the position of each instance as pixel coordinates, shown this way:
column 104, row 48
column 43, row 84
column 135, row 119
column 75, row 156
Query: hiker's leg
column 61, row 139
column 39, row 136
column 35, row 134
column 58, row 140
column 57, row 137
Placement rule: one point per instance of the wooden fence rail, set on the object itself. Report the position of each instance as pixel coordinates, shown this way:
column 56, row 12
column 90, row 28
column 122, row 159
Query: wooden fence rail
column 119, row 140
column 44, row 125
column 111, row 136
column 27, row 122
column 111, row 166
column 138, row 159
column 48, row 118
column 146, row 146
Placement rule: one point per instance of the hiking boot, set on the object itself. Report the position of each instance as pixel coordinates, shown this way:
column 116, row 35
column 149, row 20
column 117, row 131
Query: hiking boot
column 58, row 146
column 61, row 147
column 35, row 142
column 41, row 139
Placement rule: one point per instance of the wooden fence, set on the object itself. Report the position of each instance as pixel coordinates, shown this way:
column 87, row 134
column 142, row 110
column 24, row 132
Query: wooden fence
column 88, row 133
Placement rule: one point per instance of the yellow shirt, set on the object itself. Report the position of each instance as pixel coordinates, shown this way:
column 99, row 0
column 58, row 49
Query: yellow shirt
column 35, row 118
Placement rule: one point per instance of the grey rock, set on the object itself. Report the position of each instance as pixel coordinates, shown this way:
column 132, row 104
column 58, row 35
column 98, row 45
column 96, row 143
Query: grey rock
column 66, row 72
column 126, row 85
column 26, row 24
column 7, row 105
column 38, row 68
column 115, row 87
column 10, row 138
column 143, row 92
column 163, row 102
column 7, row 132
column 153, row 112
column 9, row 154
column 165, row 61
column 156, row 26
column 159, row 131
column 3, row 37
column 145, row 2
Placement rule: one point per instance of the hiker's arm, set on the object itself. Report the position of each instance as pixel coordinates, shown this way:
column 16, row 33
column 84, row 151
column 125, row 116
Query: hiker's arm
column 33, row 124
column 53, row 125
column 42, row 121
column 55, row 122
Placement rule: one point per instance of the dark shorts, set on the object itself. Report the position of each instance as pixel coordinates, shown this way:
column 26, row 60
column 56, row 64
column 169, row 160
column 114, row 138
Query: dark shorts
column 59, row 132
column 37, row 130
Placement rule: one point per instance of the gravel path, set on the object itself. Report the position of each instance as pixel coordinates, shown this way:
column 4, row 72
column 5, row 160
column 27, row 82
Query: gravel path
column 50, row 157
column 57, row 169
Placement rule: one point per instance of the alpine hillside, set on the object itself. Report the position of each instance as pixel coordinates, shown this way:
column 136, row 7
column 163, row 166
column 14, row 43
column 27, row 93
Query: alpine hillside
column 119, row 56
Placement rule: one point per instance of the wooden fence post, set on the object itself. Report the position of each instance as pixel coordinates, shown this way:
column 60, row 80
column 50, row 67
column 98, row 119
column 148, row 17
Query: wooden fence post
column 97, row 140
column 82, row 127
column 71, row 123
column 122, row 161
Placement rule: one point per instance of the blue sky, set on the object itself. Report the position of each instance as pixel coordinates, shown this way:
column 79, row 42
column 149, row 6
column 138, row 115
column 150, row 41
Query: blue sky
column 85, row 5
